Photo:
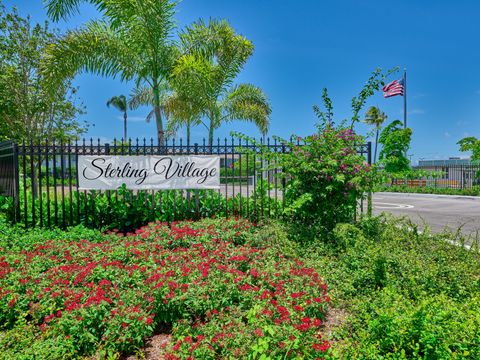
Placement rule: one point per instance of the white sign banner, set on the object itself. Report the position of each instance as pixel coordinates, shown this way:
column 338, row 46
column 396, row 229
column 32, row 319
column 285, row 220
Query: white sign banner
column 148, row 172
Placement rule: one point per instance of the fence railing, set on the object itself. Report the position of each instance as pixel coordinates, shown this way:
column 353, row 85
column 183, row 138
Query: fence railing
column 41, row 179
column 448, row 176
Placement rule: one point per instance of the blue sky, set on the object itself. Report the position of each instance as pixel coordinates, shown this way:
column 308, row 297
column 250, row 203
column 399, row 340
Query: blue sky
column 301, row 47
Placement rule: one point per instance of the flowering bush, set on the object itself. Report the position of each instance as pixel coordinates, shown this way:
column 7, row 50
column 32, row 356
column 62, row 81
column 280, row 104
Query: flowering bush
column 328, row 178
column 224, row 297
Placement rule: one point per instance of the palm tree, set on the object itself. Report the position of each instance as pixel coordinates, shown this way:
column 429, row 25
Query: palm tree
column 176, row 110
column 120, row 103
column 212, row 57
column 374, row 116
column 182, row 113
column 132, row 41
column 144, row 96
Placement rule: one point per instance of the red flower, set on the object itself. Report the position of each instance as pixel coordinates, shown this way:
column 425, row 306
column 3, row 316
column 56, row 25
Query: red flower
column 258, row 332
column 297, row 295
column 303, row 327
column 188, row 340
column 12, row 302
column 321, row 347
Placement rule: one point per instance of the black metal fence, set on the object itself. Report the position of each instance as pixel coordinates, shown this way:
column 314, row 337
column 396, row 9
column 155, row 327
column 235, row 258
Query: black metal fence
column 452, row 176
column 8, row 169
column 41, row 180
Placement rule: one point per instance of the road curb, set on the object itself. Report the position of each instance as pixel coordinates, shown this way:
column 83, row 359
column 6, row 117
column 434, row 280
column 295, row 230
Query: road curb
column 430, row 196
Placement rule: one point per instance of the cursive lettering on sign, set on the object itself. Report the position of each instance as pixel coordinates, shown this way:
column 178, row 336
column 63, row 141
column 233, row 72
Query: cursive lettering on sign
column 126, row 171
column 169, row 169
column 149, row 172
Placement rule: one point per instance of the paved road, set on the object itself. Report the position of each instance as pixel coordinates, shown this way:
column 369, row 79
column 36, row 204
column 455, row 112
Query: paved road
column 439, row 211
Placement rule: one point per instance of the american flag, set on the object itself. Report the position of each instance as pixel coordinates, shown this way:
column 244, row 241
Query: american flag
column 393, row 89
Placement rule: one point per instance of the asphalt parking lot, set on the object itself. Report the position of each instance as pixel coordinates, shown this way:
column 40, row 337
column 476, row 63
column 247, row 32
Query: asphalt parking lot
column 438, row 211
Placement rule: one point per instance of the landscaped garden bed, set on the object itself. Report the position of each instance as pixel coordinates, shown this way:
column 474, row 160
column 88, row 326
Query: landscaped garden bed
column 225, row 291
column 218, row 289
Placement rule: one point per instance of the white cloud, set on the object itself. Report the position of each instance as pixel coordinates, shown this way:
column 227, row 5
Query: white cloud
column 416, row 112
column 133, row 118
column 103, row 140
column 447, row 134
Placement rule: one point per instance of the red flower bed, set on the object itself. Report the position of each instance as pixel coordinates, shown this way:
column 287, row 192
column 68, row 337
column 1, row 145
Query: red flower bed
column 224, row 297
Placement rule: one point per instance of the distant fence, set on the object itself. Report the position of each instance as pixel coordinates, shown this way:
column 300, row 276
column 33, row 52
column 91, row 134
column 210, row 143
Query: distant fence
column 41, row 181
column 458, row 176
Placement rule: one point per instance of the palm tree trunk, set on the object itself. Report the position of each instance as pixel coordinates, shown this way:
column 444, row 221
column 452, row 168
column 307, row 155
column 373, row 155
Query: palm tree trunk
column 158, row 114
column 125, row 125
column 210, row 130
column 376, row 144
column 188, row 133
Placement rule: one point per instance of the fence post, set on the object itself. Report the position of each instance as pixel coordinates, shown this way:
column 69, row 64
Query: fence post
column 196, row 190
column 16, row 183
column 369, row 195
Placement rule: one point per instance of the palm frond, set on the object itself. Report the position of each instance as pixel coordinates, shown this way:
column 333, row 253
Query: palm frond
column 374, row 116
column 95, row 48
column 150, row 116
column 217, row 42
column 248, row 103
column 140, row 96
column 62, row 9
column 118, row 102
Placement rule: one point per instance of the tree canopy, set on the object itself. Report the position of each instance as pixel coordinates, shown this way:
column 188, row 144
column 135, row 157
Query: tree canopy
column 395, row 142
column 31, row 107
column 132, row 40
column 213, row 55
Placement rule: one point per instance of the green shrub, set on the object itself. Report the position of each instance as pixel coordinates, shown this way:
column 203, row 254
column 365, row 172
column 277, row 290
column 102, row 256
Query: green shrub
column 390, row 326
column 328, row 178
column 473, row 191
column 127, row 210
column 409, row 294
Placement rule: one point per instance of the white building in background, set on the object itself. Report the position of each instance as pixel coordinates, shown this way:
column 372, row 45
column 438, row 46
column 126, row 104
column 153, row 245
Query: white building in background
column 455, row 172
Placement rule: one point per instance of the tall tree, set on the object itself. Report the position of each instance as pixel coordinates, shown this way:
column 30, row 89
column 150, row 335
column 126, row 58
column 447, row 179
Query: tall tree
column 177, row 111
column 203, row 77
column 374, row 116
column 183, row 113
column 120, row 103
column 472, row 144
column 132, row 41
column 143, row 96
column 395, row 142
column 27, row 110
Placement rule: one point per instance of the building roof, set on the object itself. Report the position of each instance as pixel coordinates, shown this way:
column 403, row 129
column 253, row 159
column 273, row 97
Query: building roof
column 446, row 162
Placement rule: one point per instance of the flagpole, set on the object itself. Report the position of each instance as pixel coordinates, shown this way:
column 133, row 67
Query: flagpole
column 405, row 97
